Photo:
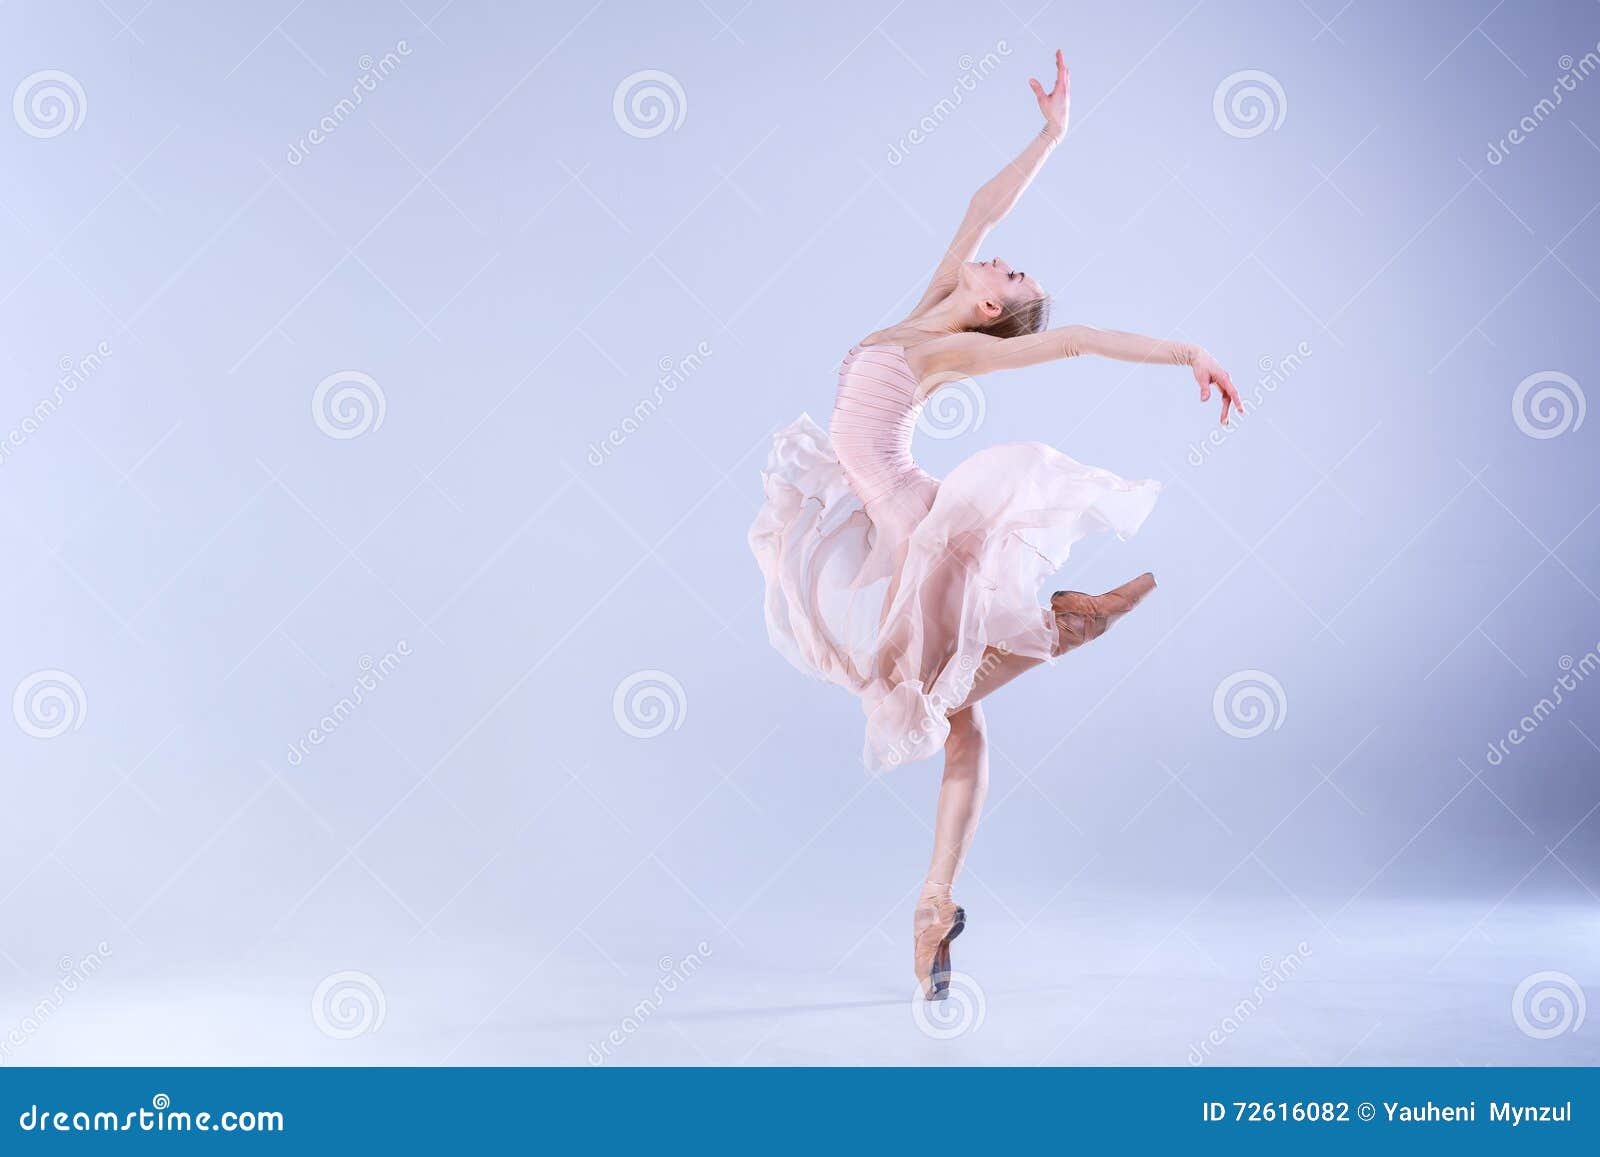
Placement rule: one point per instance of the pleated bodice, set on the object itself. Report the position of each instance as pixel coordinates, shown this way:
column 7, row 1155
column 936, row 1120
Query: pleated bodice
column 874, row 415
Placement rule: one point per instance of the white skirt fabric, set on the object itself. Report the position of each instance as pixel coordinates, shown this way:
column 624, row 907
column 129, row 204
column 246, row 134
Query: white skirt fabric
column 899, row 604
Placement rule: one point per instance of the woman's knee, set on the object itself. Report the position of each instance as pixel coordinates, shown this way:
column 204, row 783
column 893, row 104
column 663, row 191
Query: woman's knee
column 968, row 727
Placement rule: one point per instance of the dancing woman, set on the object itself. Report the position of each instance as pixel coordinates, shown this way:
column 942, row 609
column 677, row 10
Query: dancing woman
column 921, row 596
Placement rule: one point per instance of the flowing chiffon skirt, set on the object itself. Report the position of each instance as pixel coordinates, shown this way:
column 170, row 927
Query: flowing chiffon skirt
column 898, row 603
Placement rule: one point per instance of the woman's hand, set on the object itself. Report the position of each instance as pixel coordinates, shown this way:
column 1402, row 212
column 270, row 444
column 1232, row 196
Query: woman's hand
column 1056, row 103
column 1209, row 372
column 996, row 196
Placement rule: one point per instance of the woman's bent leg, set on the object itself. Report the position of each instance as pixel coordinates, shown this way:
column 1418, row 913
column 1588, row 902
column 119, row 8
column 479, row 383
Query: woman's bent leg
column 1079, row 619
column 996, row 669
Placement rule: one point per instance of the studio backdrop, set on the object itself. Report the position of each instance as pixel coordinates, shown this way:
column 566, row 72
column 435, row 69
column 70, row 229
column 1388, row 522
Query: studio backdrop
column 386, row 392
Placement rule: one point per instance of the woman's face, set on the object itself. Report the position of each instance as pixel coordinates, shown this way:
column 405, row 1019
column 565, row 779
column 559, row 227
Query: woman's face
column 994, row 280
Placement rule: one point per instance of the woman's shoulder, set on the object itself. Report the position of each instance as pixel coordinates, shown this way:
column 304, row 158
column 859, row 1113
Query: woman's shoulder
column 935, row 354
column 890, row 336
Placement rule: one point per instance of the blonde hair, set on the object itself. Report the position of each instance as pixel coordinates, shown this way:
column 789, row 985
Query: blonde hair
column 1019, row 318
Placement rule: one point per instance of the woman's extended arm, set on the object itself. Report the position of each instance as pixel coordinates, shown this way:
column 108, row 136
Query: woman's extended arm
column 1000, row 193
column 970, row 354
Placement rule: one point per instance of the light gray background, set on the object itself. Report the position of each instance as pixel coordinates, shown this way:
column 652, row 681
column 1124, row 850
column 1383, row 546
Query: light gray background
column 483, row 239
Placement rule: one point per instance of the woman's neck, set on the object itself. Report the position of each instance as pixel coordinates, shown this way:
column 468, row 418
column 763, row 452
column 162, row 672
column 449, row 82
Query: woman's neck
column 947, row 317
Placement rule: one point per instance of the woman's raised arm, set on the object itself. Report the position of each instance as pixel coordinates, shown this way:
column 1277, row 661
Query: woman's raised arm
column 1001, row 192
column 971, row 354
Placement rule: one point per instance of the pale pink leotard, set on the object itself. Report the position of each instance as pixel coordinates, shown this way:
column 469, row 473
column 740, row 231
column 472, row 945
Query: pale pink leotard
column 894, row 584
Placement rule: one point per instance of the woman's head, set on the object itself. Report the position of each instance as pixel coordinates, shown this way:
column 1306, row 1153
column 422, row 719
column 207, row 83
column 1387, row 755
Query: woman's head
column 1006, row 302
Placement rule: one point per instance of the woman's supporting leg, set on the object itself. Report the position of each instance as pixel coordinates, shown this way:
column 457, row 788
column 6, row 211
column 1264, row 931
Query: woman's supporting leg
column 937, row 919
column 966, row 782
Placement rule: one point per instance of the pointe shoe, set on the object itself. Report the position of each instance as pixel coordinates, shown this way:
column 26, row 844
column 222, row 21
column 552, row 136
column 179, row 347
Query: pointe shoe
column 935, row 923
column 1082, row 618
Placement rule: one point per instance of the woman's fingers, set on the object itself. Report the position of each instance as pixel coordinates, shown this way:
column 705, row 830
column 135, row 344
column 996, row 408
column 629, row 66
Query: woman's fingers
column 1230, row 397
column 1061, row 81
column 1208, row 373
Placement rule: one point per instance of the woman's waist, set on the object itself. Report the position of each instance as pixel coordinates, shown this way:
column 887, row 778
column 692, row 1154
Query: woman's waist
column 878, row 479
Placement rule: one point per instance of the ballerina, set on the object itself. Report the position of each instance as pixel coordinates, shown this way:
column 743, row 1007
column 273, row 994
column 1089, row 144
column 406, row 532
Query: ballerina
column 921, row 595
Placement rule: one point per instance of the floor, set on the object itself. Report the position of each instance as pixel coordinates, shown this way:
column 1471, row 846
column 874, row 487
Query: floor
column 1093, row 983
